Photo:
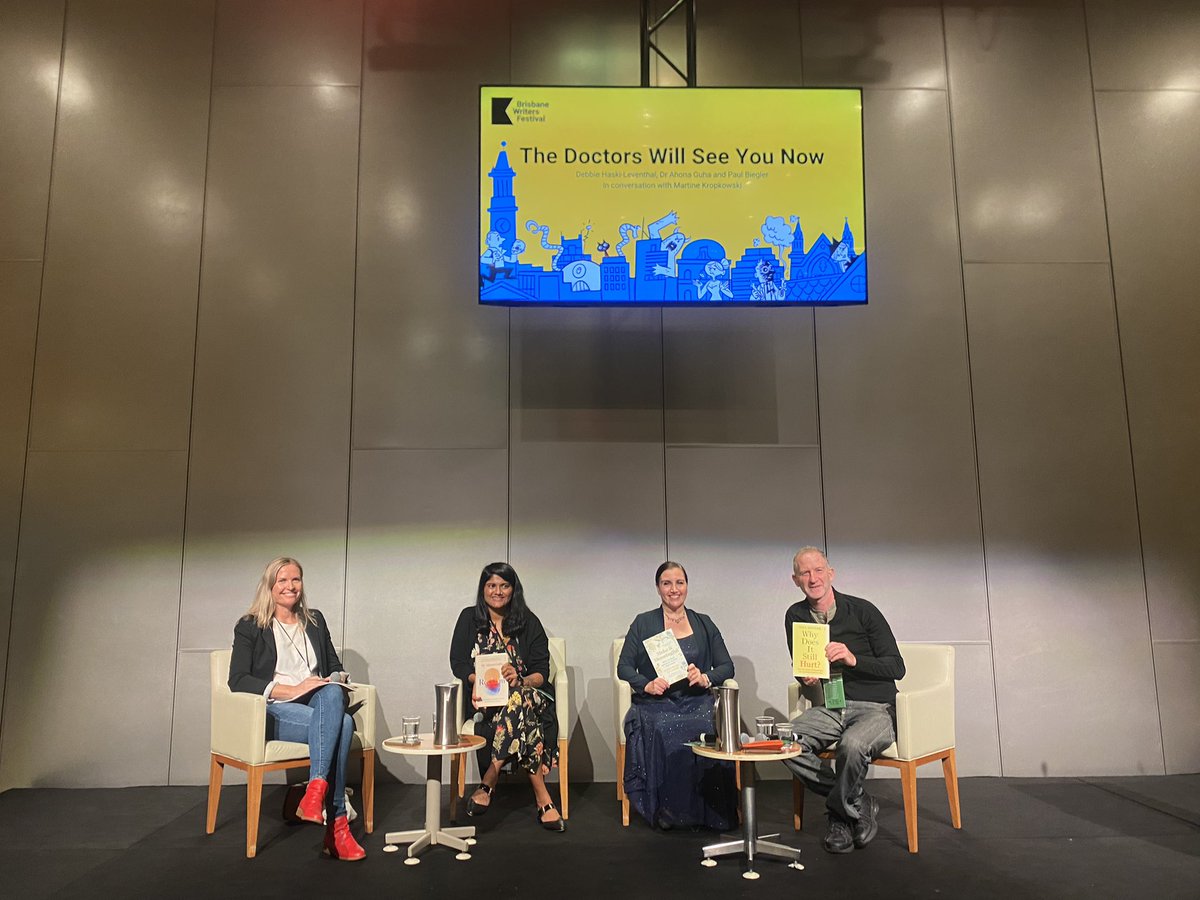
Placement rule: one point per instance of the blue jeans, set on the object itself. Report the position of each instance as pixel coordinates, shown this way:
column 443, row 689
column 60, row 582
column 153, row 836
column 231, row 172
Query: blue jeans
column 862, row 731
column 320, row 721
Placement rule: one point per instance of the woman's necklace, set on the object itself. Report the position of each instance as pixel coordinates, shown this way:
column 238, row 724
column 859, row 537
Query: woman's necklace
column 302, row 653
column 674, row 620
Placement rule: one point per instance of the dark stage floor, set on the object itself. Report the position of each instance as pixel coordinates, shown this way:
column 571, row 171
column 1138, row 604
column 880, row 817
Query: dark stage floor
column 1103, row 837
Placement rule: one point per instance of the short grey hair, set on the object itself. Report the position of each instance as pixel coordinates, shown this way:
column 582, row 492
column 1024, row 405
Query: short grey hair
column 809, row 549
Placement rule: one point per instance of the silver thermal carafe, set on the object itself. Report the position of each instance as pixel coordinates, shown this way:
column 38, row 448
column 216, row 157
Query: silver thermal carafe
column 727, row 718
column 445, row 714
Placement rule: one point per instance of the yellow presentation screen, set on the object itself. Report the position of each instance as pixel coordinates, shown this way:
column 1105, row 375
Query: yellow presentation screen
column 660, row 196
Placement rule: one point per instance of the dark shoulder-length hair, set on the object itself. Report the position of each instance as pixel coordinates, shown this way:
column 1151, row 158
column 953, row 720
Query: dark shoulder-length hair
column 515, row 616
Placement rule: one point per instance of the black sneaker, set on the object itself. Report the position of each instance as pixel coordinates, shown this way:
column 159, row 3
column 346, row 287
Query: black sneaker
column 838, row 839
column 868, row 821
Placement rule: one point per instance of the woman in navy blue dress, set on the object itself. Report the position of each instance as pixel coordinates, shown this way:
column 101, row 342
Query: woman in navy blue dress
column 667, row 784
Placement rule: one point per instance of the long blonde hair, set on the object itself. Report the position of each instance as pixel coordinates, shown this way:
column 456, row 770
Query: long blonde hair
column 262, row 610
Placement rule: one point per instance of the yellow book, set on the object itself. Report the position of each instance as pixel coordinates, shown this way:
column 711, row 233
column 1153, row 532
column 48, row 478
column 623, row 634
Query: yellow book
column 808, row 650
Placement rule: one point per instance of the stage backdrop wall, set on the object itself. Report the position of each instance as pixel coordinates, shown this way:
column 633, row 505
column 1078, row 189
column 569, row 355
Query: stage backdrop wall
column 233, row 325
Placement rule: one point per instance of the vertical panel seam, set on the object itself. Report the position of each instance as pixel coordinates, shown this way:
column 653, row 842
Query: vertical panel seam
column 37, row 320
column 187, row 476
column 362, row 57
column 1112, row 279
column 508, row 363
column 662, row 379
column 962, row 274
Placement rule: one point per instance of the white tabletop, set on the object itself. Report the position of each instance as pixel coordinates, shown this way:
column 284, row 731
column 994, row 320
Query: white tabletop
column 748, row 755
column 466, row 742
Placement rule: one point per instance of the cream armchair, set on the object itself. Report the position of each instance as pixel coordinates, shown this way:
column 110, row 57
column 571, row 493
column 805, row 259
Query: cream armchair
column 622, row 700
column 924, row 730
column 560, row 678
column 239, row 729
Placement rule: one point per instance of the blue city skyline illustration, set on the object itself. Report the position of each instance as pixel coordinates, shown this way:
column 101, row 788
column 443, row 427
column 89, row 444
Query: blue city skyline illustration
column 669, row 266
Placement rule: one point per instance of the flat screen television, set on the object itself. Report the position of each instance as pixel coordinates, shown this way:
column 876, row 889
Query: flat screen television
column 599, row 196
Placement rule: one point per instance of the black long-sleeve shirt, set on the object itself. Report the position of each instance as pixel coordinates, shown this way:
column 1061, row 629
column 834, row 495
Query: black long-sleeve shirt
column 860, row 626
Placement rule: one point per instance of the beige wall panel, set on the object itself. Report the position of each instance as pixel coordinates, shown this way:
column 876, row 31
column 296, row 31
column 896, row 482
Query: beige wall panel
column 31, row 34
column 1059, row 522
column 123, row 248
column 430, row 364
column 270, row 437
column 20, row 282
column 586, row 533
column 586, row 375
column 1025, row 154
column 872, row 44
column 1144, row 46
column 423, row 524
column 975, row 726
column 735, row 517
column 575, row 43
column 97, row 592
column 739, row 376
column 732, row 40
column 192, row 716
column 1160, row 331
column 288, row 42
column 898, row 449
column 1177, row 670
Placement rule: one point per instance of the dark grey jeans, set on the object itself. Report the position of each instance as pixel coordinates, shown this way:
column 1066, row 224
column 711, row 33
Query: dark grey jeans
column 861, row 731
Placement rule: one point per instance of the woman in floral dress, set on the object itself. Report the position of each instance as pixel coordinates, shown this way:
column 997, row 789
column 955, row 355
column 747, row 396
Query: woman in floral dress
column 524, row 729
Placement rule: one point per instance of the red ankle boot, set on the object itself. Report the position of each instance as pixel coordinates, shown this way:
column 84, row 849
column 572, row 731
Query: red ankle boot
column 312, row 806
column 340, row 843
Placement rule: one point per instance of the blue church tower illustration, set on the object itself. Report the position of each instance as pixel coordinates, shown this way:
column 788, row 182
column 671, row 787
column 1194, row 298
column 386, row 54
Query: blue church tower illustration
column 502, row 213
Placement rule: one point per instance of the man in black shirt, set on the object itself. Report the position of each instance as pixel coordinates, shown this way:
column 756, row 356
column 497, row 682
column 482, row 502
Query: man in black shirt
column 863, row 652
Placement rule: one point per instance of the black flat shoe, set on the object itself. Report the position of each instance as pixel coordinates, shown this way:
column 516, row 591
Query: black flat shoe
column 478, row 809
column 559, row 824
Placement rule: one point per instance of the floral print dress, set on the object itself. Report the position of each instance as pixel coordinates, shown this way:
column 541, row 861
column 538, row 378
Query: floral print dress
column 521, row 726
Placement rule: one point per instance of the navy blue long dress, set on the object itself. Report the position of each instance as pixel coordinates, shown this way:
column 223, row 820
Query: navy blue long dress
column 668, row 784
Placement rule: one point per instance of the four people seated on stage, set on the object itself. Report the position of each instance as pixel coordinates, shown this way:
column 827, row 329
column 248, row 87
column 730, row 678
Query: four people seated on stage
column 666, row 782
column 282, row 650
column 524, row 729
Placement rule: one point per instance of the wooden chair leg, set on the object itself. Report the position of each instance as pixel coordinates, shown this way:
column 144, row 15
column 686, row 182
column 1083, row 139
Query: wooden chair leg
column 254, row 783
column 950, row 770
column 621, row 784
column 563, row 782
column 908, row 787
column 797, row 804
column 216, row 769
column 368, row 788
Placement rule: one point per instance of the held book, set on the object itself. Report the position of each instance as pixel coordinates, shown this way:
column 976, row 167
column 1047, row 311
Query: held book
column 490, row 685
column 808, row 650
column 666, row 656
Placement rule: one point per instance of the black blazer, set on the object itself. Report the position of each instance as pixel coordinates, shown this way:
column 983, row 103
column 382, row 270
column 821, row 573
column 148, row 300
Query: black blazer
column 634, row 664
column 252, row 665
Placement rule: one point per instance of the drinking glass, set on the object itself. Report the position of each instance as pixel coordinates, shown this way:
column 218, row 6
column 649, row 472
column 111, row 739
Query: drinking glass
column 409, row 726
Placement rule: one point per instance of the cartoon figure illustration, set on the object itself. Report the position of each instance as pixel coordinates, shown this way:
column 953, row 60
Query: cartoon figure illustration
column 628, row 233
column 777, row 233
column 492, row 261
column 715, row 269
column 766, row 290
column 602, row 247
column 544, row 230
column 841, row 256
column 672, row 244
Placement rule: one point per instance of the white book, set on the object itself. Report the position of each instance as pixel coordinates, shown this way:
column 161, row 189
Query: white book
column 490, row 685
column 666, row 656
